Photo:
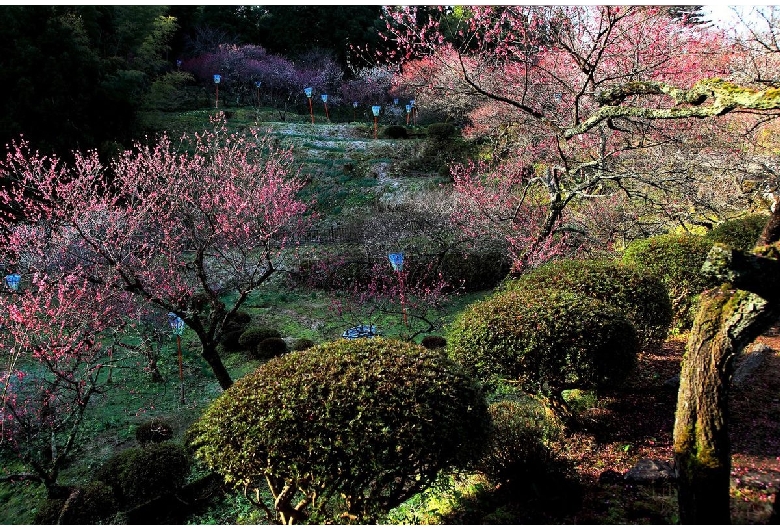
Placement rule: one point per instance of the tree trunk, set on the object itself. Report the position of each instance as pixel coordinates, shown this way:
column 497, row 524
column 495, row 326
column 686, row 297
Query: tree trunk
column 212, row 357
column 727, row 320
column 725, row 323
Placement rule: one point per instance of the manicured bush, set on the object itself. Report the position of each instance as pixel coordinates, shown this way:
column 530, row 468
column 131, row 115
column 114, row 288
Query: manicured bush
column 271, row 347
column 642, row 297
column 741, row 233
column 232, row 330
column 230, row 340
column 433, row 342
column 93, row 504
column 677, row 260
column 239, row 320
column 519, row 443
column 251, row 338
column 357, row 425
column 153, row 432
column 441, row 131
column 395, row 132
column 138, row 475
column 90, row 504
column 302, row 344
column 546, row 340
column 48, row 512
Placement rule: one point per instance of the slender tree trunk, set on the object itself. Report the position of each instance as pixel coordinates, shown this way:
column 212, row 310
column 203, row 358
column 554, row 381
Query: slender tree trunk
column 213, row 359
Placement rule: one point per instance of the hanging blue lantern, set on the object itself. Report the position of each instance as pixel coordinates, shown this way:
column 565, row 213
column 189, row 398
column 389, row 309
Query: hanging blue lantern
column 12, row 281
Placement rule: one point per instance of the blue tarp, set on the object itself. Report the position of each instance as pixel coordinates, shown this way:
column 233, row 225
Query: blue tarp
column 361, row 332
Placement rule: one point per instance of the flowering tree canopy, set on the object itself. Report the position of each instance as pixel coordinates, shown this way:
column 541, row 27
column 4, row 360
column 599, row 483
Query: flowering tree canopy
column 176, row 225
column 596, row 100
column 59, row 335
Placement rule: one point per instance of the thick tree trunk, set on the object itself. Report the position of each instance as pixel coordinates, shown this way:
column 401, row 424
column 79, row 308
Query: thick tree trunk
column 727, row 320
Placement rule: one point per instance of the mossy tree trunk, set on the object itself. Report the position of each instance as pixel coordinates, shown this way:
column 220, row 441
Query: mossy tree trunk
column 728, row 319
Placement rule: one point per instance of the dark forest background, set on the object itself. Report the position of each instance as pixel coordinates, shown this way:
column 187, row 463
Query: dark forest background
column 75, row 77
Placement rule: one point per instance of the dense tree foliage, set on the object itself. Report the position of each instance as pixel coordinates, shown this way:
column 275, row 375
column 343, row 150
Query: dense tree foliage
column 175, row 225
column 74, row 75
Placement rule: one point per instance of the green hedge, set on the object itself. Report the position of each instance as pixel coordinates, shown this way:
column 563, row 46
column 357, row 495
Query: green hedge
column 523, row 430
column 676, row 259
column 741, row 233
column 360, row 424
column 643, row 298
column 546, row 340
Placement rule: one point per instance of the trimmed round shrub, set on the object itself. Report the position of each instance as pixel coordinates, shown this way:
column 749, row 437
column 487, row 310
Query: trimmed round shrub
column 139, row 475
column 396, row 132
column 519, row 443
column 153, row 432
column 48, row 511
column 232, row 330
column 676, row 259
column 239, row 320
column 433, row 342
column 302, row 344
column 229, row 340
column 92, row 504
column 251, row 338
column 741, row 234
column 546, row 340
column 441, row 131
column 643, row 298
column 271, row 347
column 360, row 425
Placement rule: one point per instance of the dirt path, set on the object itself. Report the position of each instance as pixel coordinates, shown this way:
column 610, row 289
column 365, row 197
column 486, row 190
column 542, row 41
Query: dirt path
column 638, row 423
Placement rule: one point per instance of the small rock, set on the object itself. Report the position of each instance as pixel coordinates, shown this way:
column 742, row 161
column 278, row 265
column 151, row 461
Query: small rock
column 749, row 362
column 610, row 477
column 673, row 383
column 648, row 471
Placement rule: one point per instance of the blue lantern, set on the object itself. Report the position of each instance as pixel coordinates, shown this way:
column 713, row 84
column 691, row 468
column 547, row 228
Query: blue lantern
column 217, row 78
column 308, row 90
column 12, row 281
column 324, row 98
column 397, row 261
column 176, row 323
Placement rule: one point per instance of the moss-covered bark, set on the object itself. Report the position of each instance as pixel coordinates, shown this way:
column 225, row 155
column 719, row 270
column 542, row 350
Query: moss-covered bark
column 728, row 319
